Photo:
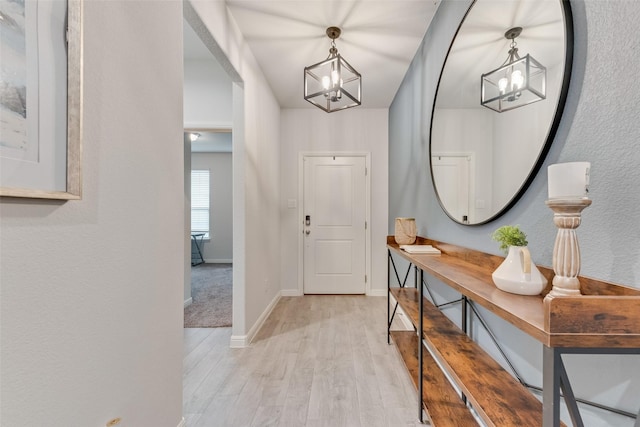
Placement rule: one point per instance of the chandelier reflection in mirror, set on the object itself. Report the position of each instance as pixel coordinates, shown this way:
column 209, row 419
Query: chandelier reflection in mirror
column 332, row 84
column 516, row 83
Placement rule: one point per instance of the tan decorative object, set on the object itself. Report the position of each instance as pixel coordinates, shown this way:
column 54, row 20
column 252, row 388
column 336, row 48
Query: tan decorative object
column 566, row 252
column 405, row 231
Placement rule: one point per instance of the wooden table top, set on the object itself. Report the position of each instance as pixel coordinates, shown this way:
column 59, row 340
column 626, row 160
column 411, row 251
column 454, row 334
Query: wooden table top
column 607, row 315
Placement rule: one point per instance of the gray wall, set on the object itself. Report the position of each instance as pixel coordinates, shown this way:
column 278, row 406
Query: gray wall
column 219, row 246
column 600, row 124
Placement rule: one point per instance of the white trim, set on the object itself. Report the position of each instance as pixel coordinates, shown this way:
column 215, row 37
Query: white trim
column 182, row 423
column 218, row 261
column 208, row 126
column 377, row 293
column 188, row 302
column 238, row 341
column 290, row 293
column 367, row 157
column 241, row 341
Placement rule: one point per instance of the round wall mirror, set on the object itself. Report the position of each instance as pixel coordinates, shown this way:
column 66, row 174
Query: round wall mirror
column 498, row 103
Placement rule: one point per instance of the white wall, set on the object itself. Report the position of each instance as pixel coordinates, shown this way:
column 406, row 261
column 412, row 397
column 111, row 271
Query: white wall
column 513, row 153
column 599, row 125
column 92, row 289
column 219, row 247
column 207, row 95
column 469, row 130
column 256, row 164
column 353, row 130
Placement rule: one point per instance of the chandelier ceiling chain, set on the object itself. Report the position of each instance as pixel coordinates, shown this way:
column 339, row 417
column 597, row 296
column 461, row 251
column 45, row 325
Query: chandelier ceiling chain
column 333, row 51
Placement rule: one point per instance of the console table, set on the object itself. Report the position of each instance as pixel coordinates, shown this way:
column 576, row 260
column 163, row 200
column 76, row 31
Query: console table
column 437, row 354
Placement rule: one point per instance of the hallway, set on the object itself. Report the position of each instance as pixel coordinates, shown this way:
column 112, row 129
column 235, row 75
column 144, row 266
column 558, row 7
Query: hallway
column 317, row 361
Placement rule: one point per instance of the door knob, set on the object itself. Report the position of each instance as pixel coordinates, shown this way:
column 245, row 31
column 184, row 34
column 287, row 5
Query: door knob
column 307, row 232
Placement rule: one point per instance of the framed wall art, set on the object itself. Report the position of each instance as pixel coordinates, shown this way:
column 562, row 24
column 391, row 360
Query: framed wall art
column 41, row 99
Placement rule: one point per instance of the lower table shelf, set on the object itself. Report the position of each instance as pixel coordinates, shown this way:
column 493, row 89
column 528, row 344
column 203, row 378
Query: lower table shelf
column 443, row 404
column 497, row 397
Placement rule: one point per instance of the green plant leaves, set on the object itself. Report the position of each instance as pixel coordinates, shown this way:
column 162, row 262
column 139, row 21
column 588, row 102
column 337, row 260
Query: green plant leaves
column 509, row 235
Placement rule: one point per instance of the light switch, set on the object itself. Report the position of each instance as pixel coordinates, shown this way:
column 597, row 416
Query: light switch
column 292, row 203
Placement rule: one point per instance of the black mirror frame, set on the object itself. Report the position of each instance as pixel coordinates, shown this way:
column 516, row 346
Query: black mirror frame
column 564, row 89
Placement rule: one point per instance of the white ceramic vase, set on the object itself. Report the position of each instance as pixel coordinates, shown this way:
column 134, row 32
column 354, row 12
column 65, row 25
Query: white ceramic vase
column 518, row 275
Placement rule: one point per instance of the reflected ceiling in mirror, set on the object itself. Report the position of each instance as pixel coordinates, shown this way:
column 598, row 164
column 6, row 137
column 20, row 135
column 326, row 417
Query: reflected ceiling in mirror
column 482, row 161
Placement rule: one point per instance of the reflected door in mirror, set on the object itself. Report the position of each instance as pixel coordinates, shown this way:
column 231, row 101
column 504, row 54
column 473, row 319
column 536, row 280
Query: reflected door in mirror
column 453, row 173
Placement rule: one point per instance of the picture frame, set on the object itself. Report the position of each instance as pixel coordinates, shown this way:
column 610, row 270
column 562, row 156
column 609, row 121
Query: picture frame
column 55, row 171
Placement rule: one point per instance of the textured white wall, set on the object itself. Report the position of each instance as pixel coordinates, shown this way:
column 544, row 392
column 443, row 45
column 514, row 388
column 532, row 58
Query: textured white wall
column 599, row 125
column 256, row 120
column 92, row 289
column 207, row 95
column 307, row 130
column 219, row 248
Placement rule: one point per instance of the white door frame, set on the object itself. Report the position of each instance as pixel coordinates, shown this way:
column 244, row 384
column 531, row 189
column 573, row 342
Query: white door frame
column 367, row 157
column 472, row 176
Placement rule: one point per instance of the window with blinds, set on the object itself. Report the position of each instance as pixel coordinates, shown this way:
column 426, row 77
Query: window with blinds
column 200, row 204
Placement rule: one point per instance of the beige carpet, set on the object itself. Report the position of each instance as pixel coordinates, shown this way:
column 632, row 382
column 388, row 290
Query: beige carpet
column 211, row 291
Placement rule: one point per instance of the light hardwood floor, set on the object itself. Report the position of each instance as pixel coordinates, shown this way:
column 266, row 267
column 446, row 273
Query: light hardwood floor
column 317, row 361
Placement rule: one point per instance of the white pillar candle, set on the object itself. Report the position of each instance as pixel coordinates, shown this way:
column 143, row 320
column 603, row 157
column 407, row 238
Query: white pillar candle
column 568, row 180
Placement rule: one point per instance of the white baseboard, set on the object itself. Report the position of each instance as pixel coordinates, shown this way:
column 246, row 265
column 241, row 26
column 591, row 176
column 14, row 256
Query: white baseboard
column 188, row 302
column 291, row 293
column 182, row 423
column 241, row 341
column 377, row 292
column 238, row 341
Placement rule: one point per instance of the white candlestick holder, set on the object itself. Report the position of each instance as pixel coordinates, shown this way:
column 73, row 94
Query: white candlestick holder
column 566, row 252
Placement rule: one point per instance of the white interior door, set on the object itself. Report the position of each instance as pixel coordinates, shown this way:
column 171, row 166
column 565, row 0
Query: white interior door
column 334, row 216
column 452, row 175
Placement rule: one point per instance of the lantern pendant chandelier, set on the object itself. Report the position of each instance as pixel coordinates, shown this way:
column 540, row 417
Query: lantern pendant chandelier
column 332, row 84
column 516, row 83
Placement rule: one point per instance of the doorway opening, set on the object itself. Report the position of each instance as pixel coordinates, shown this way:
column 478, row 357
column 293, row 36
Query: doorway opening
column 211, row 114
column 211, row 217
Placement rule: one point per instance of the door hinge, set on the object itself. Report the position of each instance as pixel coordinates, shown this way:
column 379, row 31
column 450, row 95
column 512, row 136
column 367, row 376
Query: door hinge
column 366, row 171
column 365, row 278
column 365, row 225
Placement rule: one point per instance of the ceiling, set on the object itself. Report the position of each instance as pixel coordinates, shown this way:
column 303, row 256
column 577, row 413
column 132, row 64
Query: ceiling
column 379, row 39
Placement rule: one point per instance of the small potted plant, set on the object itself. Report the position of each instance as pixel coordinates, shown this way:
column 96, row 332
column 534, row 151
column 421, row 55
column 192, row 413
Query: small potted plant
column 509, row 235
column 517, row 274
